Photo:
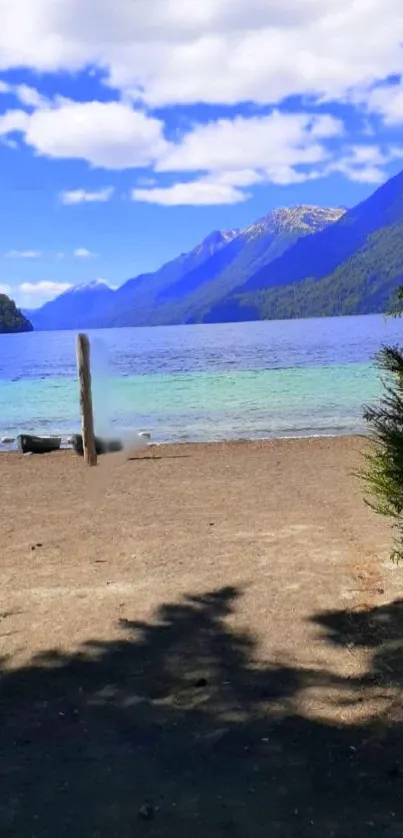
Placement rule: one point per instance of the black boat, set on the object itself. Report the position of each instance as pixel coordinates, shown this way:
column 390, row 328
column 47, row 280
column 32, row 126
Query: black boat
column 102, row 446
column 28, row 444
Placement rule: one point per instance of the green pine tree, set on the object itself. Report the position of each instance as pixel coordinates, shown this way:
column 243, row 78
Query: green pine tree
column 383, row 470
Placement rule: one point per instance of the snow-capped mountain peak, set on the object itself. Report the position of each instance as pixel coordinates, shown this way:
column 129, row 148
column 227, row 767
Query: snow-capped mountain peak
column 215, row 240
column 94, row 285
column 304, row 218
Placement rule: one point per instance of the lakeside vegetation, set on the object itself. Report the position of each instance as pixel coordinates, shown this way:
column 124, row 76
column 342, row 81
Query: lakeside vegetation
column 365, row 283
column 11, row 318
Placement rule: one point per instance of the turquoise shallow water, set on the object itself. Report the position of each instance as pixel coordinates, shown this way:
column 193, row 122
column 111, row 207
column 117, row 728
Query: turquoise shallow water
column 203, row 406
column 298, row 378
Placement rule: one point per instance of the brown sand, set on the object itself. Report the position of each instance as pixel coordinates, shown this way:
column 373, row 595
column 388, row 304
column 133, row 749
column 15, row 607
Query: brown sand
column 203, row 640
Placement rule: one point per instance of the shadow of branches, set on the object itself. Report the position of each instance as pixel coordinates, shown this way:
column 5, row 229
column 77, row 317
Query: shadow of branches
column 377, row 629
column 177, row 730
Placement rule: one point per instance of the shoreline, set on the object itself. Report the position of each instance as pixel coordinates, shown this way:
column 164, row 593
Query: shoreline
column 10, row 448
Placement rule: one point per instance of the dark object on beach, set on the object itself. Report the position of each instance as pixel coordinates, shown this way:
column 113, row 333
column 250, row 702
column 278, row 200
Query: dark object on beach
column 102, row 446
column 28, row 444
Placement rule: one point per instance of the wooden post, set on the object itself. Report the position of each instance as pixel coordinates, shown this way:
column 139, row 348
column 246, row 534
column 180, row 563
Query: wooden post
column 87, row 418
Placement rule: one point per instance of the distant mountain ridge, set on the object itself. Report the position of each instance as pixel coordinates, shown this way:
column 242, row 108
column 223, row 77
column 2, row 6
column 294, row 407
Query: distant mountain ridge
column 136, row 303
column 255, row 247
column 302, row 261
column 352, row 267
column 184, row 289
column 71, row 309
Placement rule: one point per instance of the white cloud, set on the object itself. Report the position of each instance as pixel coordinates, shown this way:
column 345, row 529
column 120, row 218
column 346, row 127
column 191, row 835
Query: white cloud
column 216, row 51
column 171, row 51
column 29, row 96
column 109, row 135
column 226, row 187
column 84, row 196
column 5, row 289
column 24, row 254
column 200, row 192
column 387, row 101
column 236, row 177
column 83, row 253
column 13, row 120
column 280, row 139
column 116, row 136
column 364, row 163
column 287, row 175
column 365, row 174
column 35, row 294
column 26, row 95
column 359, row 163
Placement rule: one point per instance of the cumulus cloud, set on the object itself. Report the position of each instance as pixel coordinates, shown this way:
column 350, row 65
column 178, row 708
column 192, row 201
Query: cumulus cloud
column 200, row 192
column 221, row 187
column 357, row 163
column 29, row 96
column 360, row 174
column 117, row 136
column 24, row 254
column 26, row 95
column 85, row 196
column 241, row 152
column 222, row 51
column 110, row 135
column 13, row 121
column 217, row 51
column 364, row 163
column 35, row 294
column 83, row 253
column 225, row 187
column 225, row 155
column 280, row 139
column 387, row 101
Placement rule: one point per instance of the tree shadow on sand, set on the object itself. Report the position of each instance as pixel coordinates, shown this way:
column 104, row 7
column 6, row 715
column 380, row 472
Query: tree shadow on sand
column 177, row 730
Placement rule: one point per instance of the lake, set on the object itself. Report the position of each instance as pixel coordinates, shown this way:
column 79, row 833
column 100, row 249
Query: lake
column 211, row 382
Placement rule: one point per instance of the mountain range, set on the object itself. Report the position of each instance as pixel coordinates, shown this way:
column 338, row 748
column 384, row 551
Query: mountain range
column 301, row 261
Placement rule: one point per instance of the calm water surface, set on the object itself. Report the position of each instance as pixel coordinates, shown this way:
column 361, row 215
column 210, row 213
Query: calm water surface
column 288, row 378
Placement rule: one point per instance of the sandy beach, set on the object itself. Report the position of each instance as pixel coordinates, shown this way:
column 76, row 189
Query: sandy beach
column 205, row 639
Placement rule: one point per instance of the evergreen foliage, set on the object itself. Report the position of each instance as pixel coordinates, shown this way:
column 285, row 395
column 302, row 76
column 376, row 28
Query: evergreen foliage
column 11, row 319
column 383, row 470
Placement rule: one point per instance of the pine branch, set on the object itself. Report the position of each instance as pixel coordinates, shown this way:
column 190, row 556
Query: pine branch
column 382, row 473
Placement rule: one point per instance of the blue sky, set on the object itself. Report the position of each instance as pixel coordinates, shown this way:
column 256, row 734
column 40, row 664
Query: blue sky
column 129, row 131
